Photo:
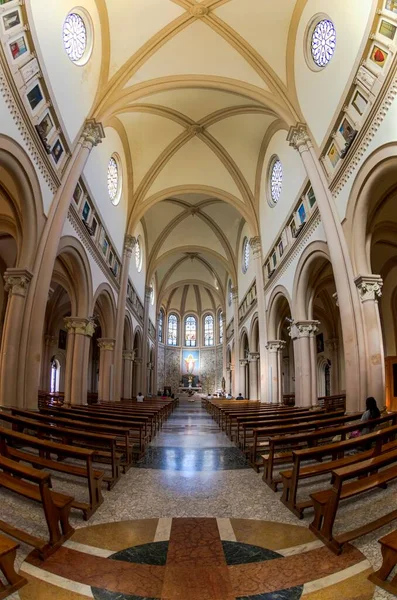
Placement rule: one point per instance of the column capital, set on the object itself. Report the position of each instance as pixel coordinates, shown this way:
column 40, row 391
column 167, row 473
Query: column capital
column 235, row 292
column 17, row 281
column 369, row 287
column 148, row 292
column 276, row 345
column 253, row 356
column 129, row 355
column 243, row 362
column 106, row 344
column 138, row 360
column 50, row 340
column 93, row 133
column 256, row 246
column 129, row 242
column 79, row 325
column 304, row 329
column 298, row 136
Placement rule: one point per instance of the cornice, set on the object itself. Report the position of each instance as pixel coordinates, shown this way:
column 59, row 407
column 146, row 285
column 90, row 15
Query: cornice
column 12, row 99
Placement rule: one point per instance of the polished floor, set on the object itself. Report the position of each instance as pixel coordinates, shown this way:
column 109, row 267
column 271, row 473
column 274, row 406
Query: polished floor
column 193, row 522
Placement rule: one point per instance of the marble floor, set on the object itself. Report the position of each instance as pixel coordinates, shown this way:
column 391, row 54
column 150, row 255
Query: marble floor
column 192, row 521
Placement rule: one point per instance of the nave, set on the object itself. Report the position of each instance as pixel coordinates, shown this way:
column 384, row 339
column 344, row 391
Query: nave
column 229, row 536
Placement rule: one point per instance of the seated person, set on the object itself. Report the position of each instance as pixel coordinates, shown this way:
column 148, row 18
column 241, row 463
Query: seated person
column 140, row 397
column 372, row 412
column 240, row 397
column 229, row 396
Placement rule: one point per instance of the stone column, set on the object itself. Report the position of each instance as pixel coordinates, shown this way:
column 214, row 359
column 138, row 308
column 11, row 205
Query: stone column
column 351, row 318
column 106, row 353
column 236, row 343
column 256, row 247
column 275, row 350
column 50, row 347
column 128, row 362
column 302, row 333
column 148, row 293
column 138, row 374
column 253, row 363
column 33, row 323
column 129, row 243
column 80, row 331
column 243, row 364
column 16, row 284
column 333, row 349
column 370, row 289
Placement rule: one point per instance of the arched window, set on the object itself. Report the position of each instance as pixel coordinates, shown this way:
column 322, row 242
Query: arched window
column 172, row 330
column 246, row 255
column 138, row 255
column 161, row 326
column 209, row 330
column 55, row 373
column 220, row 324
column 230, row 293
column 191, row 331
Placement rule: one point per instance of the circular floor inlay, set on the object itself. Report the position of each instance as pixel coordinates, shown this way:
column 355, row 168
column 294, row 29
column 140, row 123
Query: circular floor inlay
column 197, row 559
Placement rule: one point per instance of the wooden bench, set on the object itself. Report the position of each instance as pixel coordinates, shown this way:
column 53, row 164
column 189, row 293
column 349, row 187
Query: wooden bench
column 282, row 449
column 337, row 453
column 35, row 485
column 372, row 473
column 105, row 446
column 389, row 554
column 11, row 443
column 13, row 581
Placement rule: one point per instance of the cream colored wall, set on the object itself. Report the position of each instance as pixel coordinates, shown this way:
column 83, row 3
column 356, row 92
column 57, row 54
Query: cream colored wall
column 319, row 92
column 73, row 87
column 138, row 278
column 245, row 280
column 114, row 217
column 152, row 307
column 9, row 128
column 389, row 286
column 294, row 175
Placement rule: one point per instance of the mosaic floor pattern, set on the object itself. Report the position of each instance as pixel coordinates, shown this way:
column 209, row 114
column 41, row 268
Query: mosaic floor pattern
column 197, row 559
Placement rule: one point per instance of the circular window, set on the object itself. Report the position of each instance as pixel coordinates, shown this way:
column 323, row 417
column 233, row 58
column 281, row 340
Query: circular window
column 275, row 180
column 138, row 255
column 246, row 255
column 77, row 38
column 321, row 42
column 114, row 180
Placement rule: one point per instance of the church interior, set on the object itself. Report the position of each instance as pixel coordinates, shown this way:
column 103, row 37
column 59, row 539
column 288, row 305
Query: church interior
column 198, row 300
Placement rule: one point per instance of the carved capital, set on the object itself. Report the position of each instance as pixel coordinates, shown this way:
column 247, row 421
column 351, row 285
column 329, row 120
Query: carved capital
column 256, row 246
column 129, row 355
column 276, row 345
column 235, row 293
column 93, row 133
column 253, row 356
column 148, row 292
column 50, row 340
column 199, row 11
column 138, row 360
column 106, row 344
column 369, row 287
column 17, row 281
column 79, row 326
column 298, row 136
column 243, row 362
column 335, row 297
column 306, row 329
column 129, row 243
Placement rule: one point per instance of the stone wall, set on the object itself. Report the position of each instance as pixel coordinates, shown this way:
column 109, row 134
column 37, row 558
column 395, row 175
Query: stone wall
column 160, row 368
column 208, row 369
column 172, row 368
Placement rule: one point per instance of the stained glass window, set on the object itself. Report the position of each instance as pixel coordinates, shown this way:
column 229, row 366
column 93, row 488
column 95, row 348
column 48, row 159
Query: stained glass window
column 190, row 331
column 323, row 42
column 230, row 293
column 246, row 255
column 172, row 330
column 220, row 327
column 276, row 180
column 113, row 180
column 161, row 326
column 209, row 330
column 138, row 255
column 74, row 37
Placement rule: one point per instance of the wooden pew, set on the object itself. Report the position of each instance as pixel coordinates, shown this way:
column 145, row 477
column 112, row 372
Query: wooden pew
column 349, row 482
column 123, row 446
column 233, row 419
column 330, row 403
column 282, row 449
column 337, row 454
column 12, row 441
column 105, row 446
column 35, row 485
column 8, row 550
column 389, row 553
